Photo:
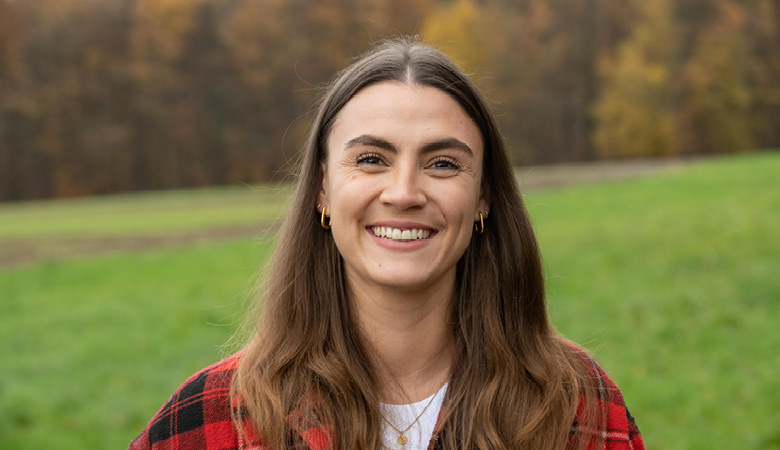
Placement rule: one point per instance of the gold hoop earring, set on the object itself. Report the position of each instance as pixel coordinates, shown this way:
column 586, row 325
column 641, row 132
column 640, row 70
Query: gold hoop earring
column 481, row 227
column 322, row 218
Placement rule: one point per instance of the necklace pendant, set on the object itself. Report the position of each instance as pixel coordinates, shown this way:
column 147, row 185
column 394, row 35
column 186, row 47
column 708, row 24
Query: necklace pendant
column 402, row 439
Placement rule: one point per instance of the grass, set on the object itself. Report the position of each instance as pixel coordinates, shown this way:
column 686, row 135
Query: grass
column 671, row 279
column 90, row 349
column 143, row 213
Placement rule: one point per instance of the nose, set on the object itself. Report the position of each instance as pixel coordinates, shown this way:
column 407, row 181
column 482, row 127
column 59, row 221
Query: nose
column 404, row 188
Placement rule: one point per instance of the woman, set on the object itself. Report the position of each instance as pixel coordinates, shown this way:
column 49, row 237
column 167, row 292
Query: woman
column 405, row 304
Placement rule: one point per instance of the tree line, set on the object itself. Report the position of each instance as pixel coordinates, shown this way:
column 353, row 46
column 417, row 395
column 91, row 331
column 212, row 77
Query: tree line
column 102, row 96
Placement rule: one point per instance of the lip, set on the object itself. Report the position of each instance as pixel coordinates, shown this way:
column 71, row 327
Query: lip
column 398, row 245
column 402, row 225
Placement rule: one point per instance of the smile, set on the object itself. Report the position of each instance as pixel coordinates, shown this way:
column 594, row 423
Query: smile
column 397, row 234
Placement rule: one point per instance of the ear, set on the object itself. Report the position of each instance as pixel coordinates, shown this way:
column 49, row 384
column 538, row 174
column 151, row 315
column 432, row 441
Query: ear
column 483, row 205
column 322, row 196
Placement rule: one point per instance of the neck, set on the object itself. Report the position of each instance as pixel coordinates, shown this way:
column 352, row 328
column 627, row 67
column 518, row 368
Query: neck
column 409, row 338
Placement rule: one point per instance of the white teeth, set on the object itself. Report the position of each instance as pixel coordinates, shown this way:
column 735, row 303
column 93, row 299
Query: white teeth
column 400, row 235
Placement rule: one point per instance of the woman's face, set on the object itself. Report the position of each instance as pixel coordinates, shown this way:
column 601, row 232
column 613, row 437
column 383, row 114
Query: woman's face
column 402, row 186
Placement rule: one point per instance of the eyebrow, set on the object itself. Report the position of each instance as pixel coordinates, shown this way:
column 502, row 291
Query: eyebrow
column 373, row 141
column 447, row 143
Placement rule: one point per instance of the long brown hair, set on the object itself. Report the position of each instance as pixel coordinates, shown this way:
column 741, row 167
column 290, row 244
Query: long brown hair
column 514, row 384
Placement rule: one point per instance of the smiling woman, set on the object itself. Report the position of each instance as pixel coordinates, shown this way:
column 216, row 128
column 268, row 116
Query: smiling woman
column 404, row 306
column 408, row 159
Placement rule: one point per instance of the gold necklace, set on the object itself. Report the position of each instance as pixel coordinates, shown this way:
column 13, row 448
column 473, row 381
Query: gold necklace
column 402, row 439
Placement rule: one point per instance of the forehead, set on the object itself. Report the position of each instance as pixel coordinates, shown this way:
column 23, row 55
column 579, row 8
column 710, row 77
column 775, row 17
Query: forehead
column 404, row 112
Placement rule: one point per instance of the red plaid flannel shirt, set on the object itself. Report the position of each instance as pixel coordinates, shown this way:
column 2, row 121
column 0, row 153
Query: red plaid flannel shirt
column 198, row 417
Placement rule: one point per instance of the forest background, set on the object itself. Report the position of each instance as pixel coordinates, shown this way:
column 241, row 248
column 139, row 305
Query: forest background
column 101, row 96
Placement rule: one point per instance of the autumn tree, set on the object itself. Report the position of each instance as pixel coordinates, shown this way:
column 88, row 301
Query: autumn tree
column 636, row 110
column 559, row 44
column 106, row 95
column 716, row 101
column 61, row 84
column 537, row 63
column 762, row 31
column 11, row 105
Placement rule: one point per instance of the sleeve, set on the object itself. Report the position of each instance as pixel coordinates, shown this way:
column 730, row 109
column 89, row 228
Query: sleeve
column 602, row 418
column 197, row 416
column 617, row 429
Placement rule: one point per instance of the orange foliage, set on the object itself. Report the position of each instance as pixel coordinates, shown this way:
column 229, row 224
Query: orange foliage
column 109, row 95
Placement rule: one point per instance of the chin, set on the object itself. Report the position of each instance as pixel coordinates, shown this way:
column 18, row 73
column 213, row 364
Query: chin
column 412, row 282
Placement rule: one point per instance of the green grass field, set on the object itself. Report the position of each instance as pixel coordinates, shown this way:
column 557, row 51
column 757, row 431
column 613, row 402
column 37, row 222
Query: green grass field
column 671, row 279
column 143, row 213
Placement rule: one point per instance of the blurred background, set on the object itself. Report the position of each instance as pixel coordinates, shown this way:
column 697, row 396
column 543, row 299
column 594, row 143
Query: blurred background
column 102, row 96
column 645, row 134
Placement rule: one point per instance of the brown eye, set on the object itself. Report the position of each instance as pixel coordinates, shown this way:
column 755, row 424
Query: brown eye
column 369, row 159
column 445, row 164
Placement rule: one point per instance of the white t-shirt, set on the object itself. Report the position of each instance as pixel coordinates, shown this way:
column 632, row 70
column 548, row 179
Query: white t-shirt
column 419, row 435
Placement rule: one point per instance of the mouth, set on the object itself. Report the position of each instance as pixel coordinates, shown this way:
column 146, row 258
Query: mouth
column 401, row 235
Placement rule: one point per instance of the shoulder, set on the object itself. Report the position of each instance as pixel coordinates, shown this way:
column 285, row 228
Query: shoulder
column 197, row 416
column 616, row 426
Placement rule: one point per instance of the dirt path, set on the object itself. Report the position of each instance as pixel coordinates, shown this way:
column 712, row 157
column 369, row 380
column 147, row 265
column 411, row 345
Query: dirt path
column 546, row 177
column 27, row 251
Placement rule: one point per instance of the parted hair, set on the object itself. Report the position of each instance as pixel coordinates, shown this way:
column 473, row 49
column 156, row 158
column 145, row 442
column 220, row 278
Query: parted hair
column 514, row 383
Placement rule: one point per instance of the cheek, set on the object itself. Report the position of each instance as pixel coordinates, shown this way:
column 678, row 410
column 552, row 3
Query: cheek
column 351, row 188
column 460, row 201
column 349, row 201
